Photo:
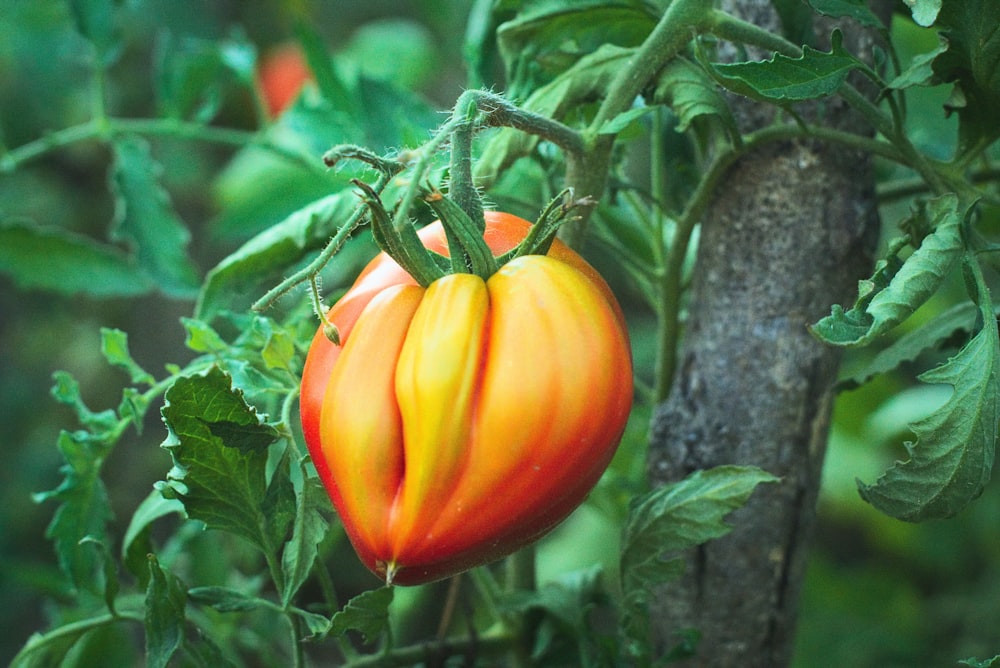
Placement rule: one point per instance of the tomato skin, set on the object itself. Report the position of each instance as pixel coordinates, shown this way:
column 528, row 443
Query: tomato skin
column 282, row 73
column 458, row 423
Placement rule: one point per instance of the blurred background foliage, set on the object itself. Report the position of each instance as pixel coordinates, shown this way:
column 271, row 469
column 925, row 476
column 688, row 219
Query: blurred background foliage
column 879, row 592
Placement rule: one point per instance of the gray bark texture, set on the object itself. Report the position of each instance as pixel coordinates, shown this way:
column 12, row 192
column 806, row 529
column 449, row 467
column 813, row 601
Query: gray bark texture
column 790, row 232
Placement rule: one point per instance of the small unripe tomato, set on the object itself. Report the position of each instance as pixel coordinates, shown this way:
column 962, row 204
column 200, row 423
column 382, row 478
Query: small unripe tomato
column 455, row 424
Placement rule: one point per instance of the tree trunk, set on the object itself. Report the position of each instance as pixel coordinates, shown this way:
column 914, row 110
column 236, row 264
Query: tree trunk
column 789, row 233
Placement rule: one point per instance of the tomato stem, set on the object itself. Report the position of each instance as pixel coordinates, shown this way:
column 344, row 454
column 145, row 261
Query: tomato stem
column 462, row 187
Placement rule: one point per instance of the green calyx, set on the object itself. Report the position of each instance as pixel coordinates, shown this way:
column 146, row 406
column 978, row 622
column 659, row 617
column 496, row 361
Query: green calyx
column 468, row 250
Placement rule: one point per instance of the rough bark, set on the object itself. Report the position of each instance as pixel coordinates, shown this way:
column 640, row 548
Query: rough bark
column 790, row 232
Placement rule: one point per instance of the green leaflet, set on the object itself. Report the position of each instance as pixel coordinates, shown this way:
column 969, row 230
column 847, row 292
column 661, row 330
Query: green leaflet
column 855, row 9
column 84, row 265
column 164, row 619
column 671, row 519
column 100, row 22
column 925, row 12
column 544, row 40
column 261, row 262
column 308, row 530
column 897, row 289
column 114, row 347
column 192, row 75
column 972, row 62
column 367, row 613
column 579, row 84
column 814, row 74
column 951, row 461
column 219, row 445
column 690, row 92
column 929, row 336
column 146, row 221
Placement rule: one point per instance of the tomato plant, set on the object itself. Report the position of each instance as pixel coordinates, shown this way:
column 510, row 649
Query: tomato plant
column 454, row 424
column 721, row 164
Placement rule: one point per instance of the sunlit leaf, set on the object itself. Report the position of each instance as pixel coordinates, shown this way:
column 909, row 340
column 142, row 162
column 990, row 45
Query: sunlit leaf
column 50, row 649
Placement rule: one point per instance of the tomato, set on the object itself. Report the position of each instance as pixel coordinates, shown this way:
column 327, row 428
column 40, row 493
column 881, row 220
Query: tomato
column 456, row 423
column 282, row 74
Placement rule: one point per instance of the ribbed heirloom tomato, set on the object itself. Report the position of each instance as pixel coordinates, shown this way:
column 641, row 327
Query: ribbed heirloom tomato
column 459, row 422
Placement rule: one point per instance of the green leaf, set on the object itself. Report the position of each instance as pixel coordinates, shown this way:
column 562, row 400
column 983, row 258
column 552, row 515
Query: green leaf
column 857, row 10
column 316, row 623
column 201, row 338
column 236, row 282
column 815, row 74
column 164, row 620
column 132, row 408
column 925, row 12
column 145, row 219
column 921, row 70
column 219, row 447
column 328, row 80
column 617, row 124
column 114, row 347
column 67, row 391
column 367, row 613
column 985, row 663
column 671, row 519
column 927, row 337
column 192, row 75
column 110, row 571
column 310, row 528
column 546, row 38
column 225, row 599
column 98, row 21
column 581, row 83
column 973, row 63
column 84, row 510
column 690, row 93
column 897, row 289
column 50, row 649
column 53, row 259
column 279, row 348
column 136, row 542
column 950, row 463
